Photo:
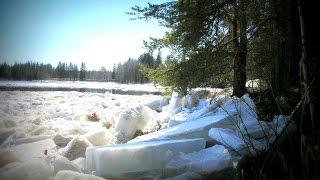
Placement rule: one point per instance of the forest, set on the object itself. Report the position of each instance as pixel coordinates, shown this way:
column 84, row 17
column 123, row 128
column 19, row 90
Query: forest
column 127, row 72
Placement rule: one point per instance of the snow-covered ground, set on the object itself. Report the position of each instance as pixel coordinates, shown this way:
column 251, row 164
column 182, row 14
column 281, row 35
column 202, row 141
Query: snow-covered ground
column 65, row 135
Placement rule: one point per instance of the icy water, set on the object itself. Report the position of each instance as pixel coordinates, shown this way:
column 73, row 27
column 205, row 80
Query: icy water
column 81, row 86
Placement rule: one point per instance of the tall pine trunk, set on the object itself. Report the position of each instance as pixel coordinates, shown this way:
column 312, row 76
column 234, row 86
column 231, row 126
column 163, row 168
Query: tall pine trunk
column 239, row 28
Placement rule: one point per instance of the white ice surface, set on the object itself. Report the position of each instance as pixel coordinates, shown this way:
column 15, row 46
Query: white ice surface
column 35, row 150
column 71, row 175
column 133, row 119
column 76, row 148
column 30, row 120
column 31, row 123
column 62, row 163
column 240, row 144
column 38, row 169
column 113, row 161
column 81, row 84
column 192, row 129
column 203, row 162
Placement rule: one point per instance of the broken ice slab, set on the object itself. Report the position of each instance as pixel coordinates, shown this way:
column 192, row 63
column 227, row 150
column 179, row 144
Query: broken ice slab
column 36, row 169
column 34, row 150
column 133, row 119
column 114, row 161
column 192, row 129
column 204, row 162
column 240, row 144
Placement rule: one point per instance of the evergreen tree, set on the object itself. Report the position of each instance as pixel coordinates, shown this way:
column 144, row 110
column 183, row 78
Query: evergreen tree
column 5, row 71
column 75, row 72
column 200, row 36
column 82, row 72
column 113, row 76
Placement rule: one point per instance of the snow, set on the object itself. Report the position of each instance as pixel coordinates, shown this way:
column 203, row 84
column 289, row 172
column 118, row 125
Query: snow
column 46, row 134
column 137, row 157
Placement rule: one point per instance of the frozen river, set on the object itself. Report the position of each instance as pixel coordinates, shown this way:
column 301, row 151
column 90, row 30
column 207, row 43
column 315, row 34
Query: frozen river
column 81, row 86
column 74, row 134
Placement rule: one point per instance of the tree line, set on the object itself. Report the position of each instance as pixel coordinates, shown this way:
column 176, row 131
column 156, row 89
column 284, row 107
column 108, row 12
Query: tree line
column 127, row 72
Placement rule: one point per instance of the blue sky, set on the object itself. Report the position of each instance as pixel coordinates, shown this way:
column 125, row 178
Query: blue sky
column 97, row 32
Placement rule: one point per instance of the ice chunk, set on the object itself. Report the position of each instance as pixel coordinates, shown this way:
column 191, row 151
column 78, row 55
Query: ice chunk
column 113, row 161
column 31, row 170
column 60, row 140
column 5, row 133
column 228, row 138
column 81, row 164
column 76, row 148
column 31, row 139
column 255, row 129
column 241, row 145
column 117, row 137
column 65, row 174
column 8, row 156
column 62, row 163
column 208, row 108
column 98, row 138
column 257, row 83
column 191, row 99
column 186, row 176
column 37, row 121
column 157, row 122
column 34, row 150
column 154, row 105
column 244, row 106
column 42, row 131
column 108, row 121
column 204, row 162
column 164, row 101
column 279, row 123
column 192, row 129
column 133, row 119
column 9, row 123
column 176, row 101
column 178, row 118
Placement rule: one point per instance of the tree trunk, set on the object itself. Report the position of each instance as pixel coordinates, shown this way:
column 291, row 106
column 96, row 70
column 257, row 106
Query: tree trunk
column 240, row 49
column 285, row 46
column 309, row 67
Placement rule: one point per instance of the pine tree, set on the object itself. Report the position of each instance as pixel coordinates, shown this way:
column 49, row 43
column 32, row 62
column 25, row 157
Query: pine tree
column 200, row 36
column 82, row 71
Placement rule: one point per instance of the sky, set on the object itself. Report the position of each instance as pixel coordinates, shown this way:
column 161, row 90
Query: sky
column 97, row 32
